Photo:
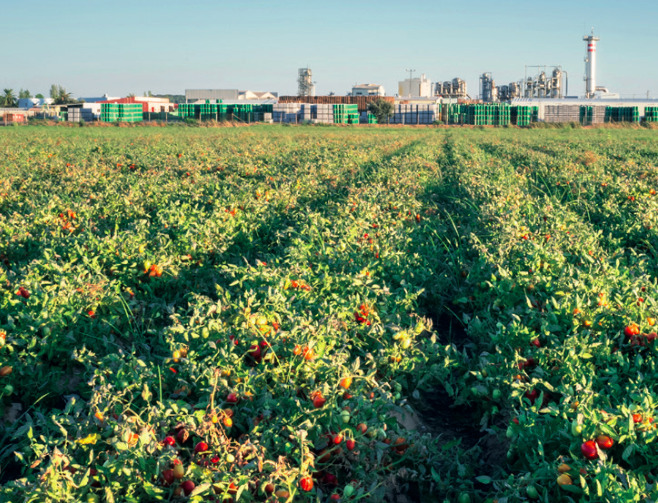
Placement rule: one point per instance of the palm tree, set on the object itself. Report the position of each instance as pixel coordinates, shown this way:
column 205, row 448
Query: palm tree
column 9, row 99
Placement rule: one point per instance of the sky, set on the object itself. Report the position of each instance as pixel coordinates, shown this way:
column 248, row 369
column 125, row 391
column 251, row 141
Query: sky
column 94, row 47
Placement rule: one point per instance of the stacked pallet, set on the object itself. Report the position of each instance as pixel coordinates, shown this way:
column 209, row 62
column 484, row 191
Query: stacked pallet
column 360, row 101
column 561, row 113
column 416, row 114
column 589, row 115
column 88, row 112
column 286, row 112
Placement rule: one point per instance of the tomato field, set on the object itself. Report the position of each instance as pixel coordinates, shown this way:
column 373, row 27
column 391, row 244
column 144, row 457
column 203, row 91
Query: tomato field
column 327, row 314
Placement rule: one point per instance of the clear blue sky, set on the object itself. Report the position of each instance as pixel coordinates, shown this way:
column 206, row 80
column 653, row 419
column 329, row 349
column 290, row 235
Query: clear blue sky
column 92, row 47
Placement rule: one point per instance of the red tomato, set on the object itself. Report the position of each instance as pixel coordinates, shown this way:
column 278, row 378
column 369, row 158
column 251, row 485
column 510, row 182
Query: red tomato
column 200, row 447
column 306, row 484
column 232, row 398
column 168, row 476
column 318, row 400
column 338, row 439
column 604, row 441
column 350, row 443
column 589, row 449
column 169, row 440
column 188, row 486
column 631, row 330
column 637, row 418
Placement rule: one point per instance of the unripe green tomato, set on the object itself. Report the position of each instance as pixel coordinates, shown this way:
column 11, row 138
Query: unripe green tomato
column 397, row 396
column 46, row 333
column 532, row 493
column 397, row 386
column 230, row 458
column 464, row 498
column 510, row 432
column 372, row 433
column 348, row 491
column 381, row 434
column 485, row 373
column 576, row 429
column 9, row 389
column 474, row 391
column 496, row 394
column 345, row 416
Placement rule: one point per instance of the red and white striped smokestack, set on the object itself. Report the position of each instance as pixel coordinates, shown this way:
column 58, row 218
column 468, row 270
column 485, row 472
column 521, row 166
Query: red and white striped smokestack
column 590, row 65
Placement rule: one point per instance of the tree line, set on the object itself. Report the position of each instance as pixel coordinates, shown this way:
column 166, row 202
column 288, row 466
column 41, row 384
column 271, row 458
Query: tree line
column 58, row 93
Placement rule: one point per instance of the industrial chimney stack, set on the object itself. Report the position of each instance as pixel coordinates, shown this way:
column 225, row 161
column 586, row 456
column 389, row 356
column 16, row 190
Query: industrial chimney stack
column 590, row 65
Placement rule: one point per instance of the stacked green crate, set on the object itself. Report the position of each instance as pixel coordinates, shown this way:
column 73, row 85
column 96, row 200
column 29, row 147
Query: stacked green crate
column 371, row 118
column 131, row 112
column 208, row 111
column 651, row 114
column 502, row 115
column 345, row 114
column 244, row 113
column 524, row 115
column 586, row 115
column 455, row 113
column 183, row 110
column 109, row 112
column 622, row 114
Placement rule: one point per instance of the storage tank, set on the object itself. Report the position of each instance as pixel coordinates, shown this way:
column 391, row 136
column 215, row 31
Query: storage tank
column 488, row 86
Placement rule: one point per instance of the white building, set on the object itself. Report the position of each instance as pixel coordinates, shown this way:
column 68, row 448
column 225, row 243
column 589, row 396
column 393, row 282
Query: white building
column 415, row 87
column 257, row 95
column 368, row 90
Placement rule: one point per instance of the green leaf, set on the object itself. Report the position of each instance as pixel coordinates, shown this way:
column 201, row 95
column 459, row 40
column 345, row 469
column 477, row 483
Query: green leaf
column 572, row 489
column 628, row 452
column 200, row 489
column 483, row 479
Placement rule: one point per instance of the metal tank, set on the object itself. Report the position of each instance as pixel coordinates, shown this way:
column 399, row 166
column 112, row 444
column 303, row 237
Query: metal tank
column 556, row 84
column 488, row 87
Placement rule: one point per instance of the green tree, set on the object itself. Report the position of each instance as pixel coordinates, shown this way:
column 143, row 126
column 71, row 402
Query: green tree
column 9, row 98
column 61, row 95
column 381, row 109
column 39, row 96
column 24, row 93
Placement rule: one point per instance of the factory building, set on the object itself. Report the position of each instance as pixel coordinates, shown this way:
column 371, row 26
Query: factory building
column 456, row 88
column 419, row 86
column 368, row 90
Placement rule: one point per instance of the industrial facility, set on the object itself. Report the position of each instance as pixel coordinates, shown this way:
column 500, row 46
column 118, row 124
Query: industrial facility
column 541, row 95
